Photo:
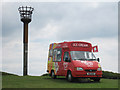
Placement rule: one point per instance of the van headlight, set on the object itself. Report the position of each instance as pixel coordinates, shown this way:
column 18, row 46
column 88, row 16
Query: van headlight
column 79, row 69
column 99, row 69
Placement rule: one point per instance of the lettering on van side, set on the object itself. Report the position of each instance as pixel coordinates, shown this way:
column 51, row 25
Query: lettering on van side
column 56, row 67
column 65, row 64
column 89, row 64
column 79, row 45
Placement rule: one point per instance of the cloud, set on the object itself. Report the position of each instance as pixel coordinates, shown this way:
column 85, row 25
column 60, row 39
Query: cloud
column 0, row 38
column 46, row 33
column 89, row 23
column 96, row 22
column 0, row 53
column 14, row 67
column 10, row 20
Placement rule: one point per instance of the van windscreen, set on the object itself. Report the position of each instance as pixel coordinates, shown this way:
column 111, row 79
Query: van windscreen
column 82, row 55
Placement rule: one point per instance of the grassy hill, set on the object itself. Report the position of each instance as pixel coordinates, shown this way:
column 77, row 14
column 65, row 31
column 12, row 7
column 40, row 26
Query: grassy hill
column 111, row 75
column 5, row 73
column 106, row 74
column 14, row 81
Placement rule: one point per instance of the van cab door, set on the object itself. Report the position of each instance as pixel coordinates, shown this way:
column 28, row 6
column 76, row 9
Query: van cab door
column 66, row 61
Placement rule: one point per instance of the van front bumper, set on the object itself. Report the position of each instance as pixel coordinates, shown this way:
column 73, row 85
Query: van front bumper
column 86, row 74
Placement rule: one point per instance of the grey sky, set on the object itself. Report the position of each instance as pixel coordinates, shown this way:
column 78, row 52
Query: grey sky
column 95, row 22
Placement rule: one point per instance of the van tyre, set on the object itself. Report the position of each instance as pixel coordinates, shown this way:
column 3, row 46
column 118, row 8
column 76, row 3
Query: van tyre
column 53, row 75
column 96, row 79
column 69, row 76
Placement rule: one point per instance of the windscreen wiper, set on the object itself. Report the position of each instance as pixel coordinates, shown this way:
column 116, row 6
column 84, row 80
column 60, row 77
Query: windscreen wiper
column 80, row 59
column 91, row 59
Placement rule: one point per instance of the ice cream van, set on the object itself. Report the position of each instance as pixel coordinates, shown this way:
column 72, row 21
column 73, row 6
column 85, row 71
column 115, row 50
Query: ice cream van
column 74, row 59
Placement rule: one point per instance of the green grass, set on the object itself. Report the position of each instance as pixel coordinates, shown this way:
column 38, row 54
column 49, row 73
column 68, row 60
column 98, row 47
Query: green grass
column 12, row 81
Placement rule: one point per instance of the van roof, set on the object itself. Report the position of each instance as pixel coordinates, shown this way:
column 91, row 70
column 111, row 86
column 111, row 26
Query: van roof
column 73, row 45
column 71, row 42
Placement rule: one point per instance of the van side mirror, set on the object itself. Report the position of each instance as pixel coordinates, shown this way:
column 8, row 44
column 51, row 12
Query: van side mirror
column 98, row 59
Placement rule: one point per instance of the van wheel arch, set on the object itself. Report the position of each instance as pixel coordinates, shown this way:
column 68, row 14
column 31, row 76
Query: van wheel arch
column 69, row 76
column 68, row 71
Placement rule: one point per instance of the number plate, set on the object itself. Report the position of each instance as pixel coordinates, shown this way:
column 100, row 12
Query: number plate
column 90, row 73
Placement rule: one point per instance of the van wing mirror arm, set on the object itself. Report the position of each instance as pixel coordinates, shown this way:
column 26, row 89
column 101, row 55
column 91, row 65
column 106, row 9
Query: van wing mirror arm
column 98, row 59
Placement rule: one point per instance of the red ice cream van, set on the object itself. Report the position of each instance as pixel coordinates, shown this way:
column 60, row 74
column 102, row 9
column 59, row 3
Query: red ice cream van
column 73, row 59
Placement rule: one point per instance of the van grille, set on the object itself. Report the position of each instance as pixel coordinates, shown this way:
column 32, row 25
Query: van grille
column 90, row 70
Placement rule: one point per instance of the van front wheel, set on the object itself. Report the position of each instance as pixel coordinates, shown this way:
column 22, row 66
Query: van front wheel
column 53, row 75
column 69, row 77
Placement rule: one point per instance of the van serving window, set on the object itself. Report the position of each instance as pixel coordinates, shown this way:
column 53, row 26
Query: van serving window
column 57, row 55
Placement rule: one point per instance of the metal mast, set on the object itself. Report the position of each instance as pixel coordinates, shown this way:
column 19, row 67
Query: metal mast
column 26, row 15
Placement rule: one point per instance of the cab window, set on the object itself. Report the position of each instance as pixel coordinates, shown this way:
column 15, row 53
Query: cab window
column 66, row 56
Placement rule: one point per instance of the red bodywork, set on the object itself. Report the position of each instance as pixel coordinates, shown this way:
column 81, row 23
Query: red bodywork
column 61, row 67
